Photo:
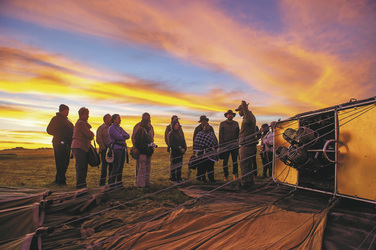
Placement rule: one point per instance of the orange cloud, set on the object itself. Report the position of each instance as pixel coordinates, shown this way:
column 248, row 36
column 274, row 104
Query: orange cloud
column 299, row 66
column 51, row 75
column 47, row 76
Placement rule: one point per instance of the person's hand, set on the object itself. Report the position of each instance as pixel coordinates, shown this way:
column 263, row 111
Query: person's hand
column 183, row 150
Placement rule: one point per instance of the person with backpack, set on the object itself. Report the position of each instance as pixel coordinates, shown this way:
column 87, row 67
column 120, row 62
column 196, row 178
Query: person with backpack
column 145, row 145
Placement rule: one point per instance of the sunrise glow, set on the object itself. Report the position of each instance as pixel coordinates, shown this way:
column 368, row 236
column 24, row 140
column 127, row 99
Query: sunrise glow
column 178, row 57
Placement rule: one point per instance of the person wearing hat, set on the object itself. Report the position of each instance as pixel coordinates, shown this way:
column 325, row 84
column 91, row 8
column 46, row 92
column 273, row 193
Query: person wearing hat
column 169, row 129
column 145, row 145
column 203, row 121
column 228, row 143
column 145, row 116
column 205, row 145
column 135, row 128
column 248, row 148
column 62, row 131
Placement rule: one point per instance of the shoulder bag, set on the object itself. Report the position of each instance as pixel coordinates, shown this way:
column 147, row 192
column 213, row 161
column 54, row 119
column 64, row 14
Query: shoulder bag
column 93, row 157
column 135, row 153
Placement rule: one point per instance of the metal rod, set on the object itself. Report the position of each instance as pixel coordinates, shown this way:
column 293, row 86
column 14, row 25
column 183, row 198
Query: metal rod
column 336, row 123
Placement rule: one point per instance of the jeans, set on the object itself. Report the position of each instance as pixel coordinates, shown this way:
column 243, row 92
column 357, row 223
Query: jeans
column 81, row 167
column 234, row 156
column 247, row 153
column 118, row 166
column 143, row 171
column 267, row 161
column 175, row 168
column 104, row 166
column 205, row 167
column 62, row 157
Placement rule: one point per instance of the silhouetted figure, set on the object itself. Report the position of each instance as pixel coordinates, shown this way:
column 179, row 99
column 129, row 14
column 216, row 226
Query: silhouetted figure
column 62, row 130
column 248, row 149
column 144, row 143
column 102, row 134
column 205, row 145
column 229, row 144
column 82, row 137
column 178, row 148
column 117, row 137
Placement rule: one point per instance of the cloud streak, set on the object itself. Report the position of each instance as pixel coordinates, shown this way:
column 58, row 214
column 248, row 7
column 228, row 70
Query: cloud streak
column 302, row 66
column 323, row 53
column 47, row 75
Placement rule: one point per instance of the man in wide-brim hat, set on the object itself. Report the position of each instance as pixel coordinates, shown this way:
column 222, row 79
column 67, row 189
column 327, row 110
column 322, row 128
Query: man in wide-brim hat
column 228, row 144
column 231, row 113
column 248, row 148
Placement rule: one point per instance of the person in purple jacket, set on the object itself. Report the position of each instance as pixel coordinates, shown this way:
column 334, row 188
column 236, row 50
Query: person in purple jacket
column 117, row 137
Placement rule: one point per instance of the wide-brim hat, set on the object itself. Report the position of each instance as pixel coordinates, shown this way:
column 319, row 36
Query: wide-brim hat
column 203, row 117
column 239, row 108
column 230, row 112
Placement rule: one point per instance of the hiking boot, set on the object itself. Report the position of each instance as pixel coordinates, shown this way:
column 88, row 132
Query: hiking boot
column 226, row 179
column 236, row 176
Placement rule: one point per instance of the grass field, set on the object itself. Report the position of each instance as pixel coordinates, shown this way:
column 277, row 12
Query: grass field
column 36, row 169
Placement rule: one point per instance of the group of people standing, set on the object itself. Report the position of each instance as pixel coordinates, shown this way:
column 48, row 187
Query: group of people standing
column 110, row 135
column 233, row 140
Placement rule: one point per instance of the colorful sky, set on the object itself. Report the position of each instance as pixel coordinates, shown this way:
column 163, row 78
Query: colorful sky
column 187, row 58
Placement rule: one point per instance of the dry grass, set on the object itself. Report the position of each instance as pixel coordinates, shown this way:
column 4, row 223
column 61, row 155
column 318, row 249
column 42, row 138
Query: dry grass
column 36, row 168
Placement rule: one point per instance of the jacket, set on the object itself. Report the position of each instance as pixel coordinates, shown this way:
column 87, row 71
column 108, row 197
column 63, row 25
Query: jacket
column 267, row 142
column 61, row 129
column 229, row 132
column 102, row 133
column 143, row 139
column 248, row 129
column 177, row 142
column 167, row 133
column 82, row 135
column 135, row 128
column 117, row 136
